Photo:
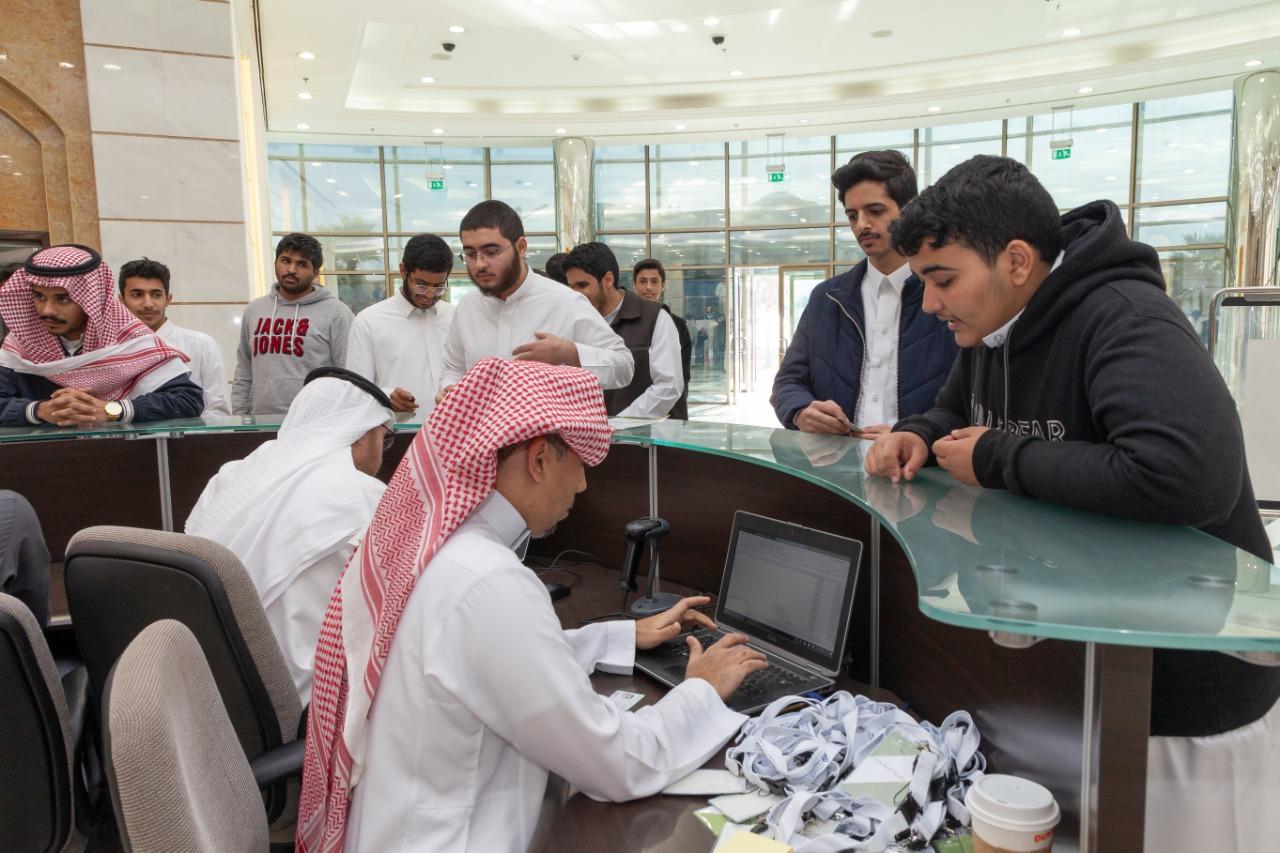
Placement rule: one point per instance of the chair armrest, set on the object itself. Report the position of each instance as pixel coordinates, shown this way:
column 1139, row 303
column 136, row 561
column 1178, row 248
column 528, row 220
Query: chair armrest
column 275, row 765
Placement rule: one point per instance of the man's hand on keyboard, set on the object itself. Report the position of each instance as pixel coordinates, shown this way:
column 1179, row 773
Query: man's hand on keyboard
column 667, row 625
column 724, row 664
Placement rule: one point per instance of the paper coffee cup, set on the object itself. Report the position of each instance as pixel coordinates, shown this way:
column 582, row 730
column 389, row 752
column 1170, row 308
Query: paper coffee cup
column 1011, row 815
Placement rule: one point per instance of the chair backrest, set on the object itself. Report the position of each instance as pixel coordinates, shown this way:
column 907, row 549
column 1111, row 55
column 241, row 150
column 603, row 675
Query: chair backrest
column 37, row 806
column 178, row 777
column 119, row 580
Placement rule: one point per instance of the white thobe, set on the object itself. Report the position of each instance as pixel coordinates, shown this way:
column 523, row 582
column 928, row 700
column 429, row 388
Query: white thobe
column 882, row 313
column 665, row 370
column 483, row 694
column 485, row 326
column 297, row 614
column 395, row 344
column 205, row 364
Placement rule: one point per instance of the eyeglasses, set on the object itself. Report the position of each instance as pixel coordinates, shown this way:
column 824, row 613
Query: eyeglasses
column 388, row 439
column 428, row 288
column 485, row 253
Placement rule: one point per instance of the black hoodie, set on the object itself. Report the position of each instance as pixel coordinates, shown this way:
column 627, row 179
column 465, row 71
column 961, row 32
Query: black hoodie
column 1103, row 398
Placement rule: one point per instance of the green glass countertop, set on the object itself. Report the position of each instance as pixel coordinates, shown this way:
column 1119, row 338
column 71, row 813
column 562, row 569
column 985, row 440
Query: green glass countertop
column 991, row 560
column 983, row 559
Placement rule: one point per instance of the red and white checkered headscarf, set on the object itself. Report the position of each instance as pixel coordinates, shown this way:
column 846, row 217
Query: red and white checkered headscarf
column 110, row 377
column 449, row 469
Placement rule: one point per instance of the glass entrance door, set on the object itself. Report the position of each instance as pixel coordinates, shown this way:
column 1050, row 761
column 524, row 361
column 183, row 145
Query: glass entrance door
column 797, row 284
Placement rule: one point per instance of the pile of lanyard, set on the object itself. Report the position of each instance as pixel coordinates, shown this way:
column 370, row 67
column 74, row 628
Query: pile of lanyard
column 803, row 753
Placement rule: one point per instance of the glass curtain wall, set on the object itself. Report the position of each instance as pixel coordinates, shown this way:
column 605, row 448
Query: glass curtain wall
column 744, row 245
column 364, row 202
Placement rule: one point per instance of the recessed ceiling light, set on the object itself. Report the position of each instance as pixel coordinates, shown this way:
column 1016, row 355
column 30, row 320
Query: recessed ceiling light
column 330, row 180
column 804, row 121
column 881, row 34
column 537, row 2
column 66, row 65
column 304, row 96
column 1253, row 63
column 1190, row 171
column 17, row 174
column 710, row 22
column 343, row 193
column 437, row 130
column 304, row 127
column 1084, row 90
column 428, row 79
column 447, row 166
column 735, row 73
column 561, row 130
column 1111, row 177
column 935, row 109
column 457, row 29
column 3, row 57
column 678, row 127
column 111, row 66
column 1071, row 32
column 317, row 165
column 306, row 54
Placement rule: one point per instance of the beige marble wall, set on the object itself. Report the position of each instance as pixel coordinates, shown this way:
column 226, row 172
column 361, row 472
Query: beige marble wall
column 48, row 182
column 164, row 101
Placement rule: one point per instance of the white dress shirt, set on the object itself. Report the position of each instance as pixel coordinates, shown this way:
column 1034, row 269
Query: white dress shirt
column 486, row 326
column 483, row 694
column 205, row 364
column 882, row 310
column 395, row 344
column 665, row 369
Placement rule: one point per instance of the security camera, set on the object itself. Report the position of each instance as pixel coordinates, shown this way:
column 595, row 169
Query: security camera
column 717, row 39
column 448, row 46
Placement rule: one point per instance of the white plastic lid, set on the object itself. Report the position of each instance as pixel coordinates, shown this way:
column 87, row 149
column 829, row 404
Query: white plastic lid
column 1013, row 802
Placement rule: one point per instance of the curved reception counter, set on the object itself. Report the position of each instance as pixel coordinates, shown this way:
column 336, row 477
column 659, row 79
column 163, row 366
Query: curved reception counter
column 1038, row 619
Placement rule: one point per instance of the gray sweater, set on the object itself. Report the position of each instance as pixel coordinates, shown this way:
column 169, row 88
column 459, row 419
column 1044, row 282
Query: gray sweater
column 281, row 342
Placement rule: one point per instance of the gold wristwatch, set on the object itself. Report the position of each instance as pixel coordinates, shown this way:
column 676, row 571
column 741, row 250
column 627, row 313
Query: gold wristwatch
column 115, row 411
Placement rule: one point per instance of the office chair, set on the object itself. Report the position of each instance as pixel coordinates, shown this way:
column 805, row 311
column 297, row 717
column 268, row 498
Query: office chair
column 179, row 780
column 119, row 580
column 39, row 737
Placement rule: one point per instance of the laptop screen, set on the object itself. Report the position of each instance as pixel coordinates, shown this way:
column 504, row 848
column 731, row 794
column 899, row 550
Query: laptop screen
column 790, row 586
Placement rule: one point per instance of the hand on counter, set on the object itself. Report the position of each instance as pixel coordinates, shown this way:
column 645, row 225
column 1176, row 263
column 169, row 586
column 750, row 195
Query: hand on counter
column 897, row 455
column 955, row 453
column 72, row 407
column 725, row 664
column 665, row 626
column 824, row 416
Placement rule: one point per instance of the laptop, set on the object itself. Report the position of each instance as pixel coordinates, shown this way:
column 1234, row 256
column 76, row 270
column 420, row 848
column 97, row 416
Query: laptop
column 790, row 590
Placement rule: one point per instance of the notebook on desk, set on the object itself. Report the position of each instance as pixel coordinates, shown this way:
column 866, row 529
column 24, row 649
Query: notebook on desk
column 790, row 590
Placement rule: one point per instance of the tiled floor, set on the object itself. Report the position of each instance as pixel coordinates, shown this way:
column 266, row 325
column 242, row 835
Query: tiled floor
column 708, row 400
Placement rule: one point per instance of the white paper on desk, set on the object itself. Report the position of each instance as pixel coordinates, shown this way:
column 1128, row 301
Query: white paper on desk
column 740, row 808
column 707, row 783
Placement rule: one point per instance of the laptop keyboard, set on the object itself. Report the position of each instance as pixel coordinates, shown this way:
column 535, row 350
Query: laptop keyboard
column 774, row 680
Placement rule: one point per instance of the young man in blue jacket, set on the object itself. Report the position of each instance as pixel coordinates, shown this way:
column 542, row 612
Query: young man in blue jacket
column 75, row 356
column 864, row 353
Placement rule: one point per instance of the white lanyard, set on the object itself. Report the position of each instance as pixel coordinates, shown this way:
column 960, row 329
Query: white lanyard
column 804, row 753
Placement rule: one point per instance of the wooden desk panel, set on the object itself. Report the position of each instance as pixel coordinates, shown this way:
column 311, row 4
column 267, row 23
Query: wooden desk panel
column 79, row 482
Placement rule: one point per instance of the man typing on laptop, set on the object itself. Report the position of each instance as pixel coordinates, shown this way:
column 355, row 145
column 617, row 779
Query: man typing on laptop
column 466, row 692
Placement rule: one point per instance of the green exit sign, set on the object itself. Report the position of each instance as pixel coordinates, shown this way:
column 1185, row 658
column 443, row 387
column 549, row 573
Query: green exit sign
column 777, row 177
column 437, row 184
column 1062, row 153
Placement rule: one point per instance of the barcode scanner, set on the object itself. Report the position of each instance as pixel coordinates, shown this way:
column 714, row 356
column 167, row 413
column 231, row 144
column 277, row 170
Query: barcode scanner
column 638, row 533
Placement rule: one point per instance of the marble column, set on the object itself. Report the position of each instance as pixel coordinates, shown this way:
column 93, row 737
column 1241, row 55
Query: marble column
column 1253, row 247
column 575, row 222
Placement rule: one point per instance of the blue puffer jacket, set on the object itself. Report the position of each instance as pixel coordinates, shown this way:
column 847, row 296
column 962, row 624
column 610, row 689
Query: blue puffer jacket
column 824, row 361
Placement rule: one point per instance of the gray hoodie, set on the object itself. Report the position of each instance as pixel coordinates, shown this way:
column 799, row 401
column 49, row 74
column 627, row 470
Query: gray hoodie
column 281, row 342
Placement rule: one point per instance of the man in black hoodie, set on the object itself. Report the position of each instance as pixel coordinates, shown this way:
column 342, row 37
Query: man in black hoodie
column 1080, row 382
